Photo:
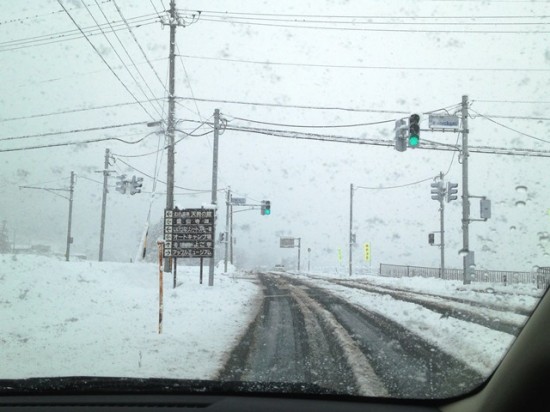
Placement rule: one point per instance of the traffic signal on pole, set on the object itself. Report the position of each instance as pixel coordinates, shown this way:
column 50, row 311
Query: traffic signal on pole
column 400, row 135
column 121, row 184
column 431, row 238
column 437, row 190
column 485, row 208
column 452, row 191
column 266, row 208
column 414, row 130
column 135, row 185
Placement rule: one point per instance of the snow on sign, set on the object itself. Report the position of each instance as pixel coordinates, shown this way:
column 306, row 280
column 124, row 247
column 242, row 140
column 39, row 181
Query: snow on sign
column 189, row 233
column 444, row 121
column 287, row 242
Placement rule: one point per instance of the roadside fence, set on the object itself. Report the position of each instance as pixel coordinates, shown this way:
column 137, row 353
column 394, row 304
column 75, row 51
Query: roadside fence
column 540, row 277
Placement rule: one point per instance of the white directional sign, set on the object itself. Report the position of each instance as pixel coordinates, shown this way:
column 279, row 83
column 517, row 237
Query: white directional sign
column 238, row 200
column 444, row 121
column 287, row 242
column 189, row 233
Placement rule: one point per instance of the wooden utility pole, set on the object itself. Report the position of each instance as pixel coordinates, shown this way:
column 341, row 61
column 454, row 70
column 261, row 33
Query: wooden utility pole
column 104, row 204
column 69, row 237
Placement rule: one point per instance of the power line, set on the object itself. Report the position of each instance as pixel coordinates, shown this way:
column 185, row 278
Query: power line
column 512, row 101
column 74, row 143
column 33, row 116
column 392, row 20
column 406, row 17
column 427, row 145
column 66, row 36
column 37, row 16
column 292, row 106
column 363, row 29
column 315, row 126
column 116, row 126
column 123, row 62
column 510, row 128
column 360, row 67
column 188, row 80
column 395, row 187
column 138, row 44
column 104, row 61
column 151, row 177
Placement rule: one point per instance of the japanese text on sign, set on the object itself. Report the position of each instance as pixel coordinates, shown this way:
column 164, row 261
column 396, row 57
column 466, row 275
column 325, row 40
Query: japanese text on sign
column 189, row 233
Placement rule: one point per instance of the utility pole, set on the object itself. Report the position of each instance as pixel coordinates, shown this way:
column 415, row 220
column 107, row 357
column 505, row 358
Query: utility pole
column 170, row 130
column 171, row 106
column 465, row 193
column 350, row 227
column 69, row 237
column 226, row 237
column 214, row 187
column 299, row 250
column 230, row 231
column 442, row 229
column 104, row 203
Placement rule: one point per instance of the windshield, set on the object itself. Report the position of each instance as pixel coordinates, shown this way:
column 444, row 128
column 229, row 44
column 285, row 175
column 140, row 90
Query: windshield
column 345, row 197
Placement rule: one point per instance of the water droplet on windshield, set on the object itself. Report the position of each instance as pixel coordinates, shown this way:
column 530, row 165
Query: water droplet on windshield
column 463, row 252
column 521, row 189
column 535, row 268
column 520, row 203
column 512, row 228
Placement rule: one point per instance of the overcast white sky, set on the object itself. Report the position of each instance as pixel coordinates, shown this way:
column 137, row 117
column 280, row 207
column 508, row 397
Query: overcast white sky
column 393, row 66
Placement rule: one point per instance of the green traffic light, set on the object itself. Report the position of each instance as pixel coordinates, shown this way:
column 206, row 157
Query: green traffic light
column 414, row 141
column 267, row 212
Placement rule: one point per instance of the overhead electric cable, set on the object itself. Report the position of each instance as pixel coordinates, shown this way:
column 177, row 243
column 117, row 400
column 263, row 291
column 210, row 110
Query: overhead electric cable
column 33, row 116
column 116, row 126
column 315, row 126
column 357, row 21
column 364, row 29
column 160, row 181
column 138, row 44
column 66, row 36
column 293, row 106
column 510, row 128
column 17, row 149
column 123, row 62
column 374, row 16
column 105, row 61
column 361, row 67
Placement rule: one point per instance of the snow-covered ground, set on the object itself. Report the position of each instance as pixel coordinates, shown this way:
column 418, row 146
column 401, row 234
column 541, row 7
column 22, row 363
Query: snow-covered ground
column 62, row 318
column 101, row 319
column 479, row 347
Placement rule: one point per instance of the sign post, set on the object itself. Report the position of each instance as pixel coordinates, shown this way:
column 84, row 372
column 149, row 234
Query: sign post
column 160, row 245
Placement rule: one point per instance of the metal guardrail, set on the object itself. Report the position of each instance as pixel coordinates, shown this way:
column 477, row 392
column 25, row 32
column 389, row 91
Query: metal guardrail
column 541, row 277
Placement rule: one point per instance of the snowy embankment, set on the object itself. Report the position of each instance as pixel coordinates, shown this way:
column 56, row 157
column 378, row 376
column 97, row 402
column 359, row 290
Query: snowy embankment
column 101, row 319
column 479, row 347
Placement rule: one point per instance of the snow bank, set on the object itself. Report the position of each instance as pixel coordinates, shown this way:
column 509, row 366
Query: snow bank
column 88, row 318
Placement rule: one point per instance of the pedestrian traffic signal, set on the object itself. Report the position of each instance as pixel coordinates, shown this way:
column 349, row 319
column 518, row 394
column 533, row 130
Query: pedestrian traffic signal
column 414, row 130
column 121, row 184
column 452, row 191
